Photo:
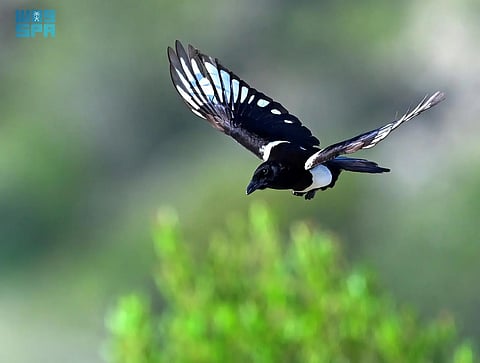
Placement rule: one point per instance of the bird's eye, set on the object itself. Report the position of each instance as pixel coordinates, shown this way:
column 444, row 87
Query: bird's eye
column 265, row 171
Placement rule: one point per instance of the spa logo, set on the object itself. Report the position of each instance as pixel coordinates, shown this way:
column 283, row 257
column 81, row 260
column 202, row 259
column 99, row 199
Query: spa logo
column 30, row 23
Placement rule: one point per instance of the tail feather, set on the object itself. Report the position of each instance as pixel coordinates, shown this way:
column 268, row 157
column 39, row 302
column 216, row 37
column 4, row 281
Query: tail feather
column 356, row 165
column 352, row 164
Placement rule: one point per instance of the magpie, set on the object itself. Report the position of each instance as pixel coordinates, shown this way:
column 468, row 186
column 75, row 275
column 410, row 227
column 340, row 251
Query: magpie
column 292, row 157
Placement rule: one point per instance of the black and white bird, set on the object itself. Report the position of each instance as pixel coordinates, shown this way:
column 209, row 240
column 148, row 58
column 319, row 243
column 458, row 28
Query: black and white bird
column 292, row 157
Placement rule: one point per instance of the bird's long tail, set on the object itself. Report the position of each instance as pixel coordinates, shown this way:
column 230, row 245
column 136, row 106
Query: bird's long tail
column 355, row 165
column 351, row 164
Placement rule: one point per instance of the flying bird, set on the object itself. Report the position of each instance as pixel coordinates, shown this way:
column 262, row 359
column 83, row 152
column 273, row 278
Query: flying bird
column 292, row 157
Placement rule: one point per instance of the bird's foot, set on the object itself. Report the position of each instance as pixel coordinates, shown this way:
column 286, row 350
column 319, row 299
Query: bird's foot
column 310, row 194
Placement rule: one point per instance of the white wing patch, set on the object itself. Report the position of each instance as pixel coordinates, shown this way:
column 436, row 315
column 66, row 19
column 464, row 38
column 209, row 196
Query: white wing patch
column 265, row 150
column 244, row 94
column 275, row 111
column 205, row 84
column 226, row 84
column 182, row 78
column 235, row 87
column 198, row 114
column 213, row 71
column 187, row 98
column 262, row 103
column 187, row 71
column 191, row 98
column 192, row 81
column 207, row 88
column 382, row 133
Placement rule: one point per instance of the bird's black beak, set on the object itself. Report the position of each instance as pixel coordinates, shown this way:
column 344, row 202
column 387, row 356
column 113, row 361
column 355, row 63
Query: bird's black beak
column 252, row 187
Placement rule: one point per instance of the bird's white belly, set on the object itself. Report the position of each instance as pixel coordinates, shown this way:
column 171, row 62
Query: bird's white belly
column 321, row 177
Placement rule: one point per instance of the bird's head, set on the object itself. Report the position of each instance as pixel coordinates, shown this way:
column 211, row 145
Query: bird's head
column 265, row 176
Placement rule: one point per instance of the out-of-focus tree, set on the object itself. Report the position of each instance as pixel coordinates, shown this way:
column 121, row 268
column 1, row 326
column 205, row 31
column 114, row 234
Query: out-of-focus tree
column 247, row 295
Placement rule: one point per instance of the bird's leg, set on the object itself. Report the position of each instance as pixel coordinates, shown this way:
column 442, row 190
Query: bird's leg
column 310, row 194
column 298, row 194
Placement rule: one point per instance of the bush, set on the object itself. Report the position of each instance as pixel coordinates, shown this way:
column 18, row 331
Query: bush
column 246, row 295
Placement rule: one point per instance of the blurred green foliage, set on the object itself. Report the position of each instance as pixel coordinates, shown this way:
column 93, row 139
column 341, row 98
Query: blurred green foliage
column 248, row 295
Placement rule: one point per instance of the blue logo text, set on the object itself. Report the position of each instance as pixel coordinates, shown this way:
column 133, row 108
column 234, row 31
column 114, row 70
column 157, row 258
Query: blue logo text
column 29, row 23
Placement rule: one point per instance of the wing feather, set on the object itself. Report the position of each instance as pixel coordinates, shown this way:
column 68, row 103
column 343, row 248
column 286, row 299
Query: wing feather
column 216, row 94
column 371, row 138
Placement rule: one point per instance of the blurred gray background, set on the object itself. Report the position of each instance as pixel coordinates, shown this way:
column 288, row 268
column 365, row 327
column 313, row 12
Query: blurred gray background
column 94, row 139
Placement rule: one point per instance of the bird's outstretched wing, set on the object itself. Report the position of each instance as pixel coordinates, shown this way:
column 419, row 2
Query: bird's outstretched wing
column 230, row 105
column 371, row 138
